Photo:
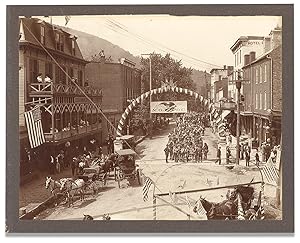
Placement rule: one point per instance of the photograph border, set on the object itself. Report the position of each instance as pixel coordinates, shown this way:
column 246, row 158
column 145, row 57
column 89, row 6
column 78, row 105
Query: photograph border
column 14, row 225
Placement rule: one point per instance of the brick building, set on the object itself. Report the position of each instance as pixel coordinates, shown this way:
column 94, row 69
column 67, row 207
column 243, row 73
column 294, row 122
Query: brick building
column 120, row 83
column 66, row 114
column 263, row 92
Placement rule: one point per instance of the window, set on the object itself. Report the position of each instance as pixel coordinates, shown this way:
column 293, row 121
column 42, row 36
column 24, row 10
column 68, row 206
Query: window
column 256, row 101
column 49, row 69
column 59, row 41
column 73, row 47
column 256, row 75
column 260, row 74
column 71, row 74
column 237, row 58
column 266, row 73
column 260, row 101
column 57, row 37
column 63, row 75
column 33, row 70
column 265, row 103
column 80, row 77
column 43, row 34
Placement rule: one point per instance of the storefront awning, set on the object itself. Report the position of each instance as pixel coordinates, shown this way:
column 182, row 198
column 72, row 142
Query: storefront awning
column 225, row 113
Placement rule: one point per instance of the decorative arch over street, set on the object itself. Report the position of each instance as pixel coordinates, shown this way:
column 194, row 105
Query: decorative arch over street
column 214, row 114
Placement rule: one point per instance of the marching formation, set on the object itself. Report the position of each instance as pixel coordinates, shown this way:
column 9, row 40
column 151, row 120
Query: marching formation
column 185, row 141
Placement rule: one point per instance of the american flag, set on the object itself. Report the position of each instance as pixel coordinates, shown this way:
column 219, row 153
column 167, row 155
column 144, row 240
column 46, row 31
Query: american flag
column 67, row 18
column 270, row 172
column 34, row 127
column 200, row 209
column 146, row 187
column 241, row 215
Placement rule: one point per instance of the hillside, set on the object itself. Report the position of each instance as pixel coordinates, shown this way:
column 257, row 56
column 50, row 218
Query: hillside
column 200, row 78
column 90, row 45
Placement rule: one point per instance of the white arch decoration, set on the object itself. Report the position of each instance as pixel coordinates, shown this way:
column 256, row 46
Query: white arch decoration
column 145, row 95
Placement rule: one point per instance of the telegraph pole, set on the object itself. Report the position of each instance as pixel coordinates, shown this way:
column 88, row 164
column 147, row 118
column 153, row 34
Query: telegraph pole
column 238, row 84
column 150, row 84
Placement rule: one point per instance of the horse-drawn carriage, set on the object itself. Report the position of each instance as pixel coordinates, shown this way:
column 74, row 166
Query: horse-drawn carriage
column 94, row 173
column 126, row 167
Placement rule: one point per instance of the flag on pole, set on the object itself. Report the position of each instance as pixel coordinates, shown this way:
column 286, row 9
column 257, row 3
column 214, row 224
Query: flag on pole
column 240, row 209
column 67, row 18
column 146, row 187
column 200, row 209
column 270, row 172
column 34, row 127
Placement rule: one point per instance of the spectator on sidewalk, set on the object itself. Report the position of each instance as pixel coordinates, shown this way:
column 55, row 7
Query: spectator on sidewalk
column 57, row 165
column 218, row 156
column 257, row 158
column 247, row 157
column 228, row 154
column 167, row 151
column 205, row 150
column 52, row 165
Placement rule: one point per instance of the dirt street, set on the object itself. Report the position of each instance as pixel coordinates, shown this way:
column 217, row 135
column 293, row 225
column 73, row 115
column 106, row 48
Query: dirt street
column 127, row 202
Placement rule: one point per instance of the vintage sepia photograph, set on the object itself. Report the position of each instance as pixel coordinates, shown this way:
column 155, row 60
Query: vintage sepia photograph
column 150, row 117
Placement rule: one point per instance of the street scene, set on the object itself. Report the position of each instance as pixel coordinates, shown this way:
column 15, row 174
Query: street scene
column 115, row 125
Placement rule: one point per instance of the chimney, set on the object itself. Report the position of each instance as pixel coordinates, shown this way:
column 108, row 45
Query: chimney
column 276, row 38
column 247, row 59
column 224, row 67
column 267, row 44
column 252, row 56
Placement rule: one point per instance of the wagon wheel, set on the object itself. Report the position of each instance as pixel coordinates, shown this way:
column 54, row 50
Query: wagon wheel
column 138, row 175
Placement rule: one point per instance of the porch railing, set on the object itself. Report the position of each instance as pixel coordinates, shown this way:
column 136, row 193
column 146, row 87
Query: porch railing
column 57, row 136
column 50, row 89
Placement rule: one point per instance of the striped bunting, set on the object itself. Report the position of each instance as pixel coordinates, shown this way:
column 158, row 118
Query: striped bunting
column 200, row 209
column 270, row 172
column 121, row 122
column 186, row 91
column 34, row 127
column 218, row 120
column 240, row 209
column 201, row 98
column 146, row 187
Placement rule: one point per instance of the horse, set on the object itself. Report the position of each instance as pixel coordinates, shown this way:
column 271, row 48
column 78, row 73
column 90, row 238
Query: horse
column 89, row 217
column 72, row 187
column 224, row 210
column 54, row 186
column 228, row 208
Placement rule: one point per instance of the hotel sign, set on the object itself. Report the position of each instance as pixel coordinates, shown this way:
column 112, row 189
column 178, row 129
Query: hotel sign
column 168, row 107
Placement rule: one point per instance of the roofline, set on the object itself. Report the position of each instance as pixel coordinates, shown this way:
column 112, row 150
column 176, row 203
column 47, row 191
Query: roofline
column 28, row 43
column 245, row 38
column 261, row 57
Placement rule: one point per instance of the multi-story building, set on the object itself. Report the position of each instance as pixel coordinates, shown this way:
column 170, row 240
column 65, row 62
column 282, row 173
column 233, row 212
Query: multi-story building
column 245, row 45
column 46, row 55
column 219, row 83
column 263, row 91
column 120, row 82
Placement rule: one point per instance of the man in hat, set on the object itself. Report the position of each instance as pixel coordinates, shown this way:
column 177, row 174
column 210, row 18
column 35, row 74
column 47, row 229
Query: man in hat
column 218, row 156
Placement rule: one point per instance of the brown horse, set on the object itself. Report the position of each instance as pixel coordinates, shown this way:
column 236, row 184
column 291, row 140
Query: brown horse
column 227, row 209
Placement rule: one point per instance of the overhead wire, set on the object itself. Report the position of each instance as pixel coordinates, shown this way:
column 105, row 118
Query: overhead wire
column 126, row 29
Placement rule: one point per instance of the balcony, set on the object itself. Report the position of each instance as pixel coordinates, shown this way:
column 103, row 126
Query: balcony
column 50, row 89
column 73, row 133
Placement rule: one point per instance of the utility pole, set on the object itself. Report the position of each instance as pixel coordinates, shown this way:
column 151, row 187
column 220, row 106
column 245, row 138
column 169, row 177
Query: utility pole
column 150, row 84
column 238, row 84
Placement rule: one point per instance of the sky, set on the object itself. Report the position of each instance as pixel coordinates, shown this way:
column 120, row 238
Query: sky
column 200, row 42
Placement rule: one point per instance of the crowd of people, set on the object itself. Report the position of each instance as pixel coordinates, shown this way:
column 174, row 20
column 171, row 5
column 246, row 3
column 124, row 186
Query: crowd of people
column 185, row 141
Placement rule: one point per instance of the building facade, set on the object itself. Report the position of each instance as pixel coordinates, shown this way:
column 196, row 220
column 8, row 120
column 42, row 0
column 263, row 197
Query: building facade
column 49, row 58
column 120, row 83
column 262, row 109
